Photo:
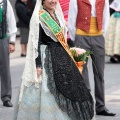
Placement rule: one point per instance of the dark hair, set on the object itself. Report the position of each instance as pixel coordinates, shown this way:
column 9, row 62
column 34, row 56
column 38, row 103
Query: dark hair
column 43, row 1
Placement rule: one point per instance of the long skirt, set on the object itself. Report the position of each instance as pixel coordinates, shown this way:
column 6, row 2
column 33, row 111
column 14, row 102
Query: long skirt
column 112, row 37
column 62, row 95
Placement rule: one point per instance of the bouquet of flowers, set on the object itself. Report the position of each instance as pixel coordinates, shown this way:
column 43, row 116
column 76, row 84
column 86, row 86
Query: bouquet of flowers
column 80, row 56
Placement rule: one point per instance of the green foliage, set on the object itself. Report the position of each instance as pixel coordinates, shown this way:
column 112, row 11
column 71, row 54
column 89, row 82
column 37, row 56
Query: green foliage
column 80, row 57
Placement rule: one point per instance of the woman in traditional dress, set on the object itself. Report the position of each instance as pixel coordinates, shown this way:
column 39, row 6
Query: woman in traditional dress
column 52, row 87
column 112, row 37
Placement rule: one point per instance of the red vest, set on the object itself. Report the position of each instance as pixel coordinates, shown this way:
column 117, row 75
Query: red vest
column 84, row 14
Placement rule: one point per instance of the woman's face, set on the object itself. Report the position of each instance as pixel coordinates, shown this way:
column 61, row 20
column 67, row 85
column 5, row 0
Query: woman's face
column 50, row 4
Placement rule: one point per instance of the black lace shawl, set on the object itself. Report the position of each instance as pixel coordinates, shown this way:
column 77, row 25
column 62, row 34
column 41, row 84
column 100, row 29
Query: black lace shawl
column 66, row 83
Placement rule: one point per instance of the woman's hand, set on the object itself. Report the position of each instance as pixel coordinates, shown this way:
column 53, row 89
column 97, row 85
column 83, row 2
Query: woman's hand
column 39, row 71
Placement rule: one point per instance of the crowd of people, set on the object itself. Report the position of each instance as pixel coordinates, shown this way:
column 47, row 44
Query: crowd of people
column 52, row 86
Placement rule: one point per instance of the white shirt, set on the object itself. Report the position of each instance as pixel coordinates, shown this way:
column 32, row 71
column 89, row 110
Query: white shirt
column 11, row 22
column 115, row 5
column 72, row 15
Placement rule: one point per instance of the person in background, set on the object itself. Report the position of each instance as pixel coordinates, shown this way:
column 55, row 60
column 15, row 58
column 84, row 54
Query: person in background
column 31, row 4
column 24, row 15
column 87, row 24
column 8, row 31
column 65, row 7
column 52, row 87
column 112, row 37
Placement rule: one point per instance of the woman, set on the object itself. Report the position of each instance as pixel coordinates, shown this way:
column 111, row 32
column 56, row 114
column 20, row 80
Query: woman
column 24, row 14
column 112, row 38
column 52, row 89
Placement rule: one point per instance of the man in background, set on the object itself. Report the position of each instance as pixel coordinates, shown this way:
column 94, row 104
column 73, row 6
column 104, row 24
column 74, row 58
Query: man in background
column 7, row 45
column 87, row 22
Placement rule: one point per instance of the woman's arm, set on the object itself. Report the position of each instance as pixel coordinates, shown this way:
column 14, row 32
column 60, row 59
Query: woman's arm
column 38, row 59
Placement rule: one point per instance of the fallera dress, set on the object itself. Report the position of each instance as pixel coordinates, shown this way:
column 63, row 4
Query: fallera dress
column 62, row 95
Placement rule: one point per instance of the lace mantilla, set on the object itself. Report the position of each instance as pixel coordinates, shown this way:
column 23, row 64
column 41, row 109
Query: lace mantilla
column 29, row 76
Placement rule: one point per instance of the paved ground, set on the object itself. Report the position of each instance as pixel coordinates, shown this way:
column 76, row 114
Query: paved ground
column 112, row 85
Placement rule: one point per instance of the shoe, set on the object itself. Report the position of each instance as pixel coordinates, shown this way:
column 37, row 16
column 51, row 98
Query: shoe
column 105, row 113
column 113, row 60
column 22, row 55
column 7, row 104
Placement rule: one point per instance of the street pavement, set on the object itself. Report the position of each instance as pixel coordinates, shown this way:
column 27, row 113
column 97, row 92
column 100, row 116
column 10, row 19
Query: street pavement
column 112, row 85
